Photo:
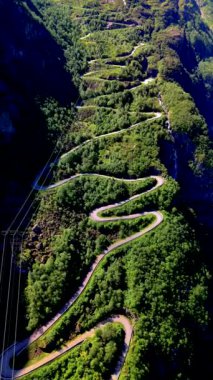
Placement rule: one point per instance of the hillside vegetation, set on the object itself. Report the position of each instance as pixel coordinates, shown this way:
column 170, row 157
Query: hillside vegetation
column 135, row 64
column 206, row 7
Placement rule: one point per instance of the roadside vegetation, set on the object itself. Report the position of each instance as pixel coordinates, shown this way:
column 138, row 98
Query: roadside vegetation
column 94, row 359
column 120, row 129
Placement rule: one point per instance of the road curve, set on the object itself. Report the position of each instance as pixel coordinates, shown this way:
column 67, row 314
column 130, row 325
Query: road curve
column 85, row 37
column 15, row 349
column 36, row 185
column 157, row 116
column 8, row 373
column 98, row 218
column 119, row 56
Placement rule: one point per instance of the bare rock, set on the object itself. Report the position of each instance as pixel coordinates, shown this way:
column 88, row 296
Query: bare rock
column 36, row 229
column 39, row 246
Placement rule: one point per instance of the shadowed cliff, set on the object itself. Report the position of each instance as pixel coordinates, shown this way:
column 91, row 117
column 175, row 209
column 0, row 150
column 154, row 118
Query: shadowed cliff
column 31, row 66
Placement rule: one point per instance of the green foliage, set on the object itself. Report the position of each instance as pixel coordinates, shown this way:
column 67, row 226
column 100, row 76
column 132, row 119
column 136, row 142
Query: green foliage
column 156, row 278
column 198, row 34
column 58, row 120
column 59, row 23
column 160, row 198
column 92, row 360
column 205, row 69
column 114, row 154
column 207, row 11
column 161, row 286
column 87, row 193
column 97, row 121
column 77, row 241
column 124, row 228
column 101, row 43
column 185, row 119
column 159, row 279
column 49, row 282
column 183, row 114
column 165, row 12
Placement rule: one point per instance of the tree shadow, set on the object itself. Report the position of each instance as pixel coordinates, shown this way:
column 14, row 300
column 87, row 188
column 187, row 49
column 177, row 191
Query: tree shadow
column 32, row 65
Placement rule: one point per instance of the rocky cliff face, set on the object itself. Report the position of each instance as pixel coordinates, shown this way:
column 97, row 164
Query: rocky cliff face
column 31, row 66
column 192, row 43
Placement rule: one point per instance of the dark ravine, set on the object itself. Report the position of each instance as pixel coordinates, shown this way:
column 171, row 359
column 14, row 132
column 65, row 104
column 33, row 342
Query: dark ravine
column 32, row 66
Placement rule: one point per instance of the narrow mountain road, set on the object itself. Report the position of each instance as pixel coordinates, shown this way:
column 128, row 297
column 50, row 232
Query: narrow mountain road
column 15, row 349
column 157, row 116
column 75, row 342
column 119, row 56
column 85, row 37
column 95, row 214
column 136, row 48
column 6, row 358
column 37, row 187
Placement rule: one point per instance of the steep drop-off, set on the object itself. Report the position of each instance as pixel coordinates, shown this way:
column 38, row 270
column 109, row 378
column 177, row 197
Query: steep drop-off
column 118, row 228
column 31, row 68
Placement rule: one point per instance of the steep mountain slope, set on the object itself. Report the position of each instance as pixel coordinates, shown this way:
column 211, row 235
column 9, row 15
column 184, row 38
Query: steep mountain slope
column 31, row 67
column 206, row 8
column 117, row 227
column 31, row 70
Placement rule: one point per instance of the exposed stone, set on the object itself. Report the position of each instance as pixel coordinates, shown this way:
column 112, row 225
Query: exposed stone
column 36, row 229
column 39, row 246
column 44, row 259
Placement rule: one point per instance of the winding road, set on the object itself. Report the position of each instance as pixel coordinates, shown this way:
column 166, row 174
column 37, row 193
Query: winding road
column 15, row 349
column 7, row 373
column 36, row 185
column 157, row 116
column 119, row 56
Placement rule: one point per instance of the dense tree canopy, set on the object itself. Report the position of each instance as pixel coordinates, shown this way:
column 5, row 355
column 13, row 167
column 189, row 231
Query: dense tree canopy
column 134, row 108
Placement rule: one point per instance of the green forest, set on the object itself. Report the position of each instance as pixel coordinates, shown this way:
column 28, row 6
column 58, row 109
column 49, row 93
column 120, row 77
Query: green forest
column 124, row 149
